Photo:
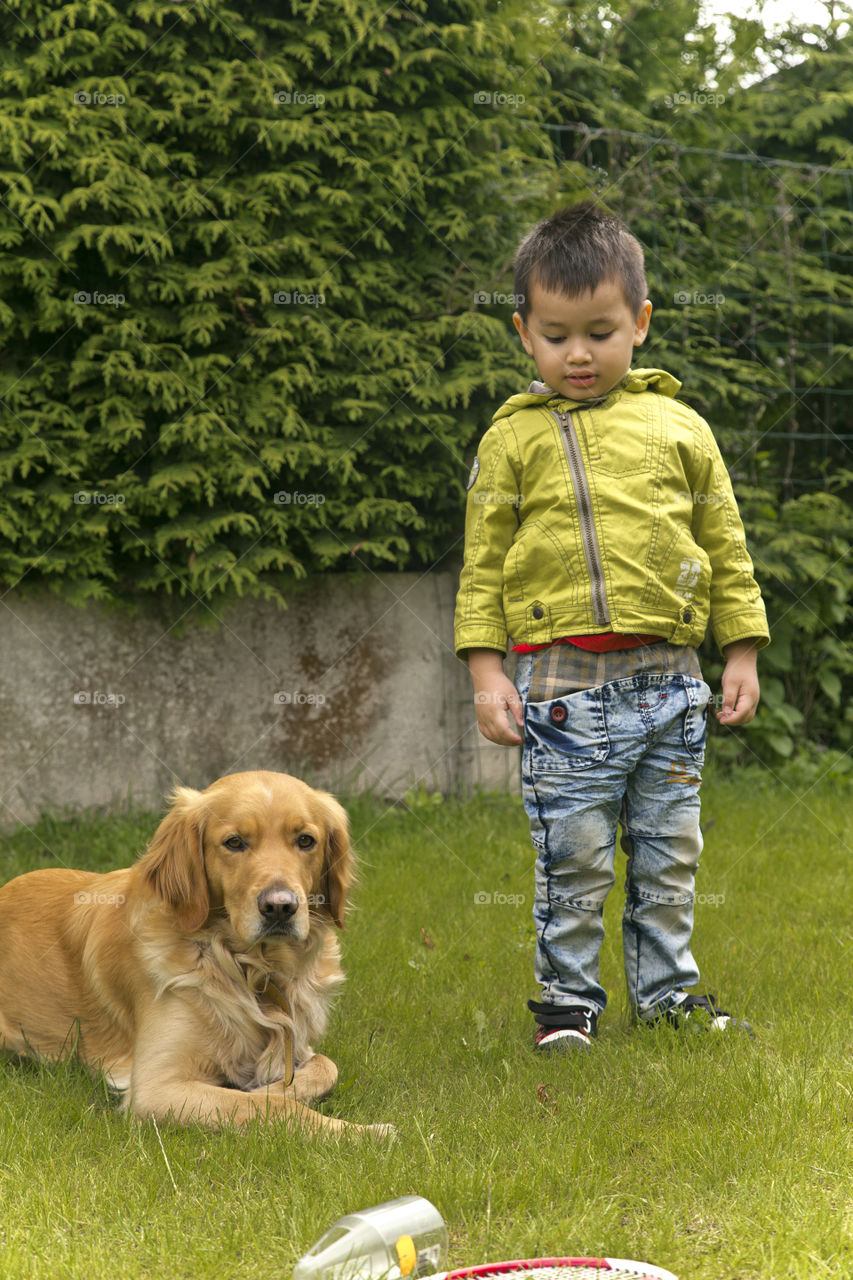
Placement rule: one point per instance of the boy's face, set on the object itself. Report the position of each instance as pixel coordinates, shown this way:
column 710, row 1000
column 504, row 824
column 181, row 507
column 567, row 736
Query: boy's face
column 582, row 346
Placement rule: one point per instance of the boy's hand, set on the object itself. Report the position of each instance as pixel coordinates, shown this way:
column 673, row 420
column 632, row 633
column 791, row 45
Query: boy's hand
column 494, row 696
column 740, row 684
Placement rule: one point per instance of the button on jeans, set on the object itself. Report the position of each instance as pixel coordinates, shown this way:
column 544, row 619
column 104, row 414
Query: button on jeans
column 631, row 750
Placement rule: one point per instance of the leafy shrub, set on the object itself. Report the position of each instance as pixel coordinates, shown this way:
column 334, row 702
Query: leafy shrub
column 244, row 245
column 802, row 551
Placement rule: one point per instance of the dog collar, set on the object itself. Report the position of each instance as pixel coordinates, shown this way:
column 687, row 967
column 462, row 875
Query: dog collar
column 283, row 1003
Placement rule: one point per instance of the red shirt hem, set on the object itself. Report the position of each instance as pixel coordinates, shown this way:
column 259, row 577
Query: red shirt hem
column 597, row 644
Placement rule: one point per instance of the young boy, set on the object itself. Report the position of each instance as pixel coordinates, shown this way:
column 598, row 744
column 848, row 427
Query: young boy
column 602, row 535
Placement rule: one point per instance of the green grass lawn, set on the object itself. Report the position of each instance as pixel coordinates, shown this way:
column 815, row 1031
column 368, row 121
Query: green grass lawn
column 720, row 1158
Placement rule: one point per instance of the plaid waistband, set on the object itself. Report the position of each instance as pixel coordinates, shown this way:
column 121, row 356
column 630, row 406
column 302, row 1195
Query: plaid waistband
column 564, row 668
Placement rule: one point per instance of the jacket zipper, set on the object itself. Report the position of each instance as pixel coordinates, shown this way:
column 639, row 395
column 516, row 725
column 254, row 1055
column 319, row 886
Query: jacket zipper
column 600, row 611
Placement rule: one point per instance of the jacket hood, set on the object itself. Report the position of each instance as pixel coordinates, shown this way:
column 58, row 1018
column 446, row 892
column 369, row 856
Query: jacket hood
column 539, row 393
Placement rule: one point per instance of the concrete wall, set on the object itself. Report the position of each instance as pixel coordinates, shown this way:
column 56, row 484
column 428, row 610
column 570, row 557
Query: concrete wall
column 354, row 687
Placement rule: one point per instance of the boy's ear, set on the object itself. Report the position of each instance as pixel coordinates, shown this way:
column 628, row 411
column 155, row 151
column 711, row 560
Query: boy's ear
column 522, row 332
column 641, row 325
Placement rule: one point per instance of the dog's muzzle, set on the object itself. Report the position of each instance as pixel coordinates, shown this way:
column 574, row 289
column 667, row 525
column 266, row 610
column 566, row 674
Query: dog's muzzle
column 278, row 907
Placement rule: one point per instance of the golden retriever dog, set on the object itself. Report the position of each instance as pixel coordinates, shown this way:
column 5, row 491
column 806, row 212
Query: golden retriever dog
column 197, row 978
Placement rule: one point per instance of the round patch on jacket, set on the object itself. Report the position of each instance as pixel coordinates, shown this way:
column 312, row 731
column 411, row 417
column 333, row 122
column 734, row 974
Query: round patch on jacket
column 475, row 471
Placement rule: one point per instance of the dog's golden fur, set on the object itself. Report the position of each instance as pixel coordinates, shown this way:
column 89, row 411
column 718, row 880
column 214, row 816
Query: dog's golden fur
column 158, row 974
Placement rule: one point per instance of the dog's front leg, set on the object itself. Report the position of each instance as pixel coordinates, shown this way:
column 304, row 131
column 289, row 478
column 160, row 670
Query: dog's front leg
column 174, row 1078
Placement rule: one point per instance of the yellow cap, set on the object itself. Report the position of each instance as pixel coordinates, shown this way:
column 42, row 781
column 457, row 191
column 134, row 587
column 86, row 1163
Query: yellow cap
column 407, row 1253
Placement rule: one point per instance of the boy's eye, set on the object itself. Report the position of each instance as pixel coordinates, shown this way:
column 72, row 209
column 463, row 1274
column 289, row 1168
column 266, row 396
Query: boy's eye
column 554, row 340
column 600, row 337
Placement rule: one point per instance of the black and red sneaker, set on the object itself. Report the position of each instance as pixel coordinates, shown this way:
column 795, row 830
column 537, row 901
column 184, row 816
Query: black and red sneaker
column 563, row 1028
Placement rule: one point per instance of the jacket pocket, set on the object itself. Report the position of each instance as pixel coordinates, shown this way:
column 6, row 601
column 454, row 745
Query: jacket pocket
column 681, row 583
column 566, row 734
column 538, row 564
column 626, row 452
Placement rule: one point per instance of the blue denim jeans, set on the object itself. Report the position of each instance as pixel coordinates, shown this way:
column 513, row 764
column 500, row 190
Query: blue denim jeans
column 629, row 751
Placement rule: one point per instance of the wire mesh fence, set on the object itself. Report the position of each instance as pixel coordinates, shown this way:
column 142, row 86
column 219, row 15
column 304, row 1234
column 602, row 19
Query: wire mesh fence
column 750, row 266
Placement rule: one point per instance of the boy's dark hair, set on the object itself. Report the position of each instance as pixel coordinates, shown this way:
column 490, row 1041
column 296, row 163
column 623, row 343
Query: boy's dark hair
column 574, row 251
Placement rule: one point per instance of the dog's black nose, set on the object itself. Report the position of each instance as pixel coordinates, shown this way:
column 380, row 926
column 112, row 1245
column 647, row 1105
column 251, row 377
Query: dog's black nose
column 277, row 904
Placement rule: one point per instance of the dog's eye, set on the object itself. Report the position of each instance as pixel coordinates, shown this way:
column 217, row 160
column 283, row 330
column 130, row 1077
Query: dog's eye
column 305, row 841
column 236, row 843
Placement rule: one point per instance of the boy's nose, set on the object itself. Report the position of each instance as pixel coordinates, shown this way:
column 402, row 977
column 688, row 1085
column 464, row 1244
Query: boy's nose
column 577, row 354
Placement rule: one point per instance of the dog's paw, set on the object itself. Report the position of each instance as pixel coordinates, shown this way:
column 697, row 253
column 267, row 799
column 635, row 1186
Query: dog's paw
column 314, row 1079
column 380, row 1132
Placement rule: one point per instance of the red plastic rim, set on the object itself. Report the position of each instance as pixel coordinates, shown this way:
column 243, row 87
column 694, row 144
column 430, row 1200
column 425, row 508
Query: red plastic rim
column 530, row 1264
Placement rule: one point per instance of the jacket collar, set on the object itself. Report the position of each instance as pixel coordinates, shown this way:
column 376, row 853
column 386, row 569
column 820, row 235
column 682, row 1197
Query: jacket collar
column 635, row 380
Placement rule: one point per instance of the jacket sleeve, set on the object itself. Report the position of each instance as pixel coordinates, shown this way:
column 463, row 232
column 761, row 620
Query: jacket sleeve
column 491, row 521
column 737, row 610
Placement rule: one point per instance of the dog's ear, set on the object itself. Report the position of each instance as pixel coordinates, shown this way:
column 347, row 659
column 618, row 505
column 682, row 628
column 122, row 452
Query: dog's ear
column 173, row 864
column 340, row 862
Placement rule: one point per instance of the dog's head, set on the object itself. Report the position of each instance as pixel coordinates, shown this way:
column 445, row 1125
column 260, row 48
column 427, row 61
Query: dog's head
column 264, row 849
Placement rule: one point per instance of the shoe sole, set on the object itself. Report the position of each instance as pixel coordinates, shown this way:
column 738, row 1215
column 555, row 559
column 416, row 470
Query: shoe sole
column 564, row 1041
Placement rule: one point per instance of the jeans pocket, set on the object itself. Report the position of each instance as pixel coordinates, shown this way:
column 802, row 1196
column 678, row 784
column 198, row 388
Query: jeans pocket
column 695, row 722
column 566, row 734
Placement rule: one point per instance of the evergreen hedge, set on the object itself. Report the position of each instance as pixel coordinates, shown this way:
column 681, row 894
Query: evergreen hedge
column 248, row 292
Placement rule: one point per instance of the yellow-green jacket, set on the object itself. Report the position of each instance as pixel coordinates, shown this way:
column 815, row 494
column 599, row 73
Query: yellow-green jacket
column 617, row 516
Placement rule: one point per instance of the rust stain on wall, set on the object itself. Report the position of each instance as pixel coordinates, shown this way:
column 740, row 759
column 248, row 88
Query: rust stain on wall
column 326, row 727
